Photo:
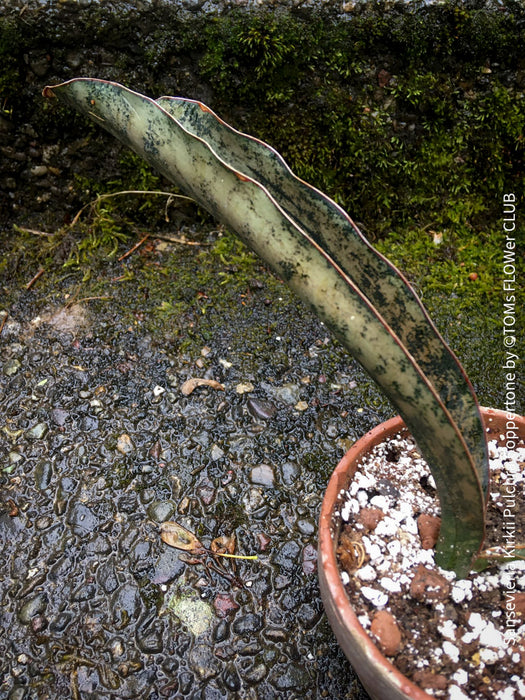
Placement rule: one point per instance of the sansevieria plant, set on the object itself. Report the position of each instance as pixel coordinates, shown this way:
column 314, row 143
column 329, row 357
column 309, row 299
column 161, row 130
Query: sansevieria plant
column 314, row 246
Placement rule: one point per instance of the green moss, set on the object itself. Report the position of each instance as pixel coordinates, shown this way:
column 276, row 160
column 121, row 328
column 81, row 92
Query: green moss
column 431, row 141
column 100, row 239
column 460, row 283
column 403, row 114
column 136, row 174
column 239, row 264
column 452, row 262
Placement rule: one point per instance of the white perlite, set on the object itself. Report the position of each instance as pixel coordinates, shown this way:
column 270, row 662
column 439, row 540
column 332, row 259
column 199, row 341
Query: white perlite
column 451, row 651
column 448, row 630
column 390, row 585
column 377, row 598
column 366, row 573
column 462, row 590
column 460, row 677
column 455, row 693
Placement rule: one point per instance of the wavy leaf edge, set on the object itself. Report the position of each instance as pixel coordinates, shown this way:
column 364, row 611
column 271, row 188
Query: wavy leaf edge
column 243, row 176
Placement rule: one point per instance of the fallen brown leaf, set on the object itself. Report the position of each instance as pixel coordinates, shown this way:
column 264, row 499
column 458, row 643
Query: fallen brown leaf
column 177, row 536
column 191, row 384
column 223, row 545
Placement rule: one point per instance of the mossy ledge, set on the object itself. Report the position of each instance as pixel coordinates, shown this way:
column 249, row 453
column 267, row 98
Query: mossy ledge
column 400, row 112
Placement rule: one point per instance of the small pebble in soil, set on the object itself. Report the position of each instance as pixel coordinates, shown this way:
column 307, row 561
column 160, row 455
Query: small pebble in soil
column 263, row 475
column 370, row 517
column 386, row 630
column 428, row 585
column 428, row 527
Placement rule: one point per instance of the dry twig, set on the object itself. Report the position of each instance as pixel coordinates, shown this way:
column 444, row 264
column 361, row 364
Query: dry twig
column 134, row 248
column 74, row 302
column 109, row 195
column 38, row 274
column 175, row 239
column 33, row 231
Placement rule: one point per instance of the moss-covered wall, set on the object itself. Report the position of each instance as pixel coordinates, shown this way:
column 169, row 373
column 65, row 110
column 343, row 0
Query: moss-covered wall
column 405, row 114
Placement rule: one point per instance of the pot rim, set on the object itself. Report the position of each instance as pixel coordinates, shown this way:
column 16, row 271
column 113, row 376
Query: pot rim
column 340, row 612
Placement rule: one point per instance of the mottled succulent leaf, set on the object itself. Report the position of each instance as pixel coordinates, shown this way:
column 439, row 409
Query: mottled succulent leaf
column 314, row 246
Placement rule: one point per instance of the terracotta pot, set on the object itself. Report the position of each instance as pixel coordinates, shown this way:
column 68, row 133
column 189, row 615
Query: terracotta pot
column 380, row 678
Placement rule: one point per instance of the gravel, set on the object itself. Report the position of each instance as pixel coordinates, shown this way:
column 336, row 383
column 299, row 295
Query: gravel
column 95, row 456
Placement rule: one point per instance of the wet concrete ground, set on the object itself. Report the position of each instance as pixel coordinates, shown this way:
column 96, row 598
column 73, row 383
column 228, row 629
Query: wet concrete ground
column 99, row 444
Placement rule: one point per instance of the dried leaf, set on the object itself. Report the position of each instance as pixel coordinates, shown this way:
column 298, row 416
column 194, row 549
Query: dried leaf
column 191, row 384
column 13, row 508
column 223, row 545
column 177, row 536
